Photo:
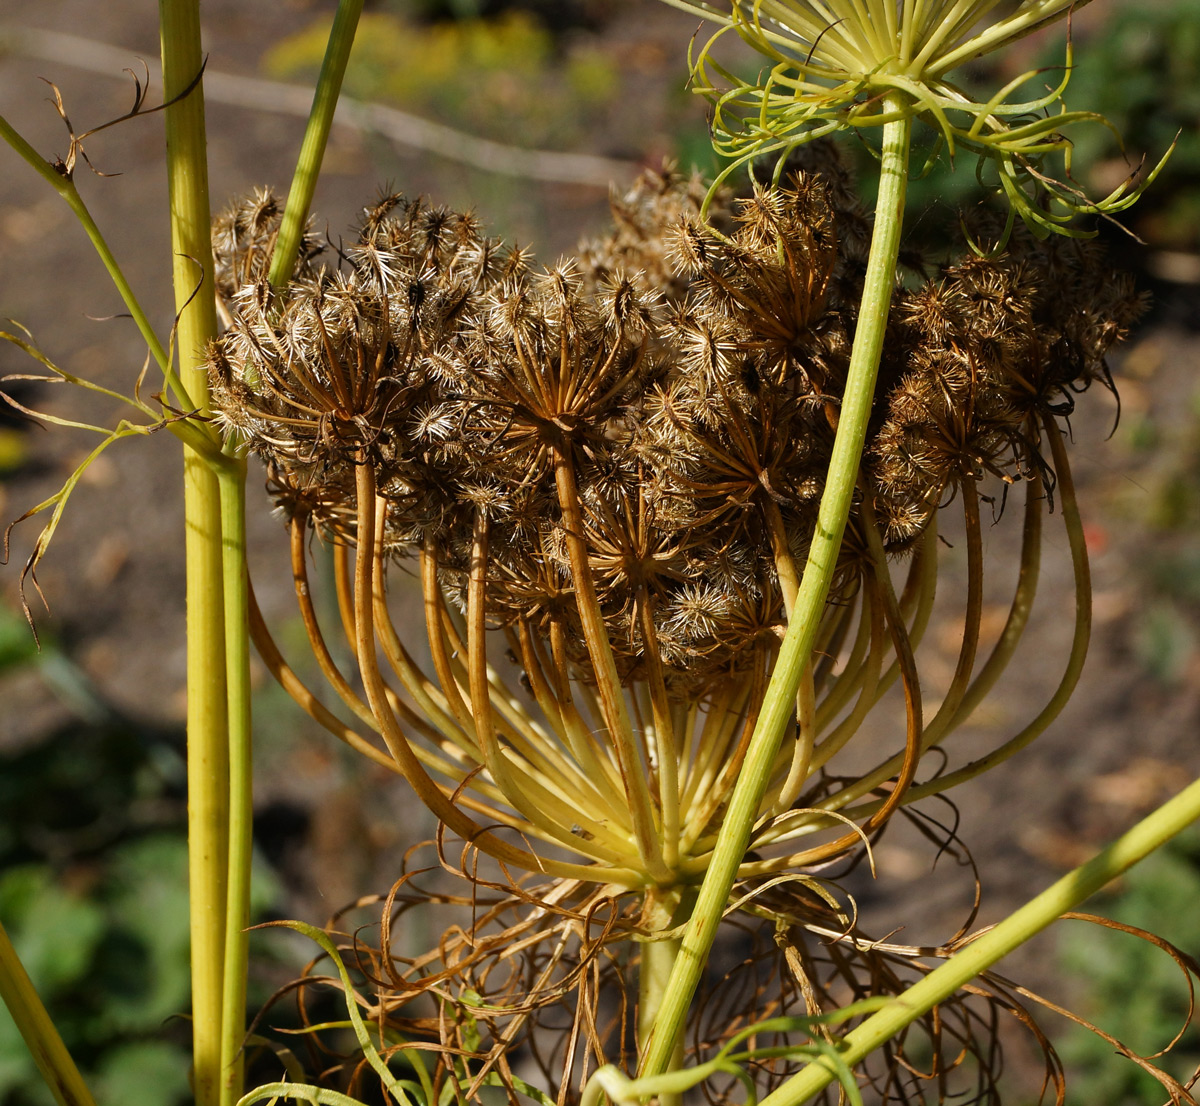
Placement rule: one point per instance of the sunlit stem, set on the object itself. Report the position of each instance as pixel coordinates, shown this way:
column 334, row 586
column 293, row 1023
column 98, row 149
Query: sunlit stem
column 38, row 1030
column 1066, row 894
column 241, row 792
column 789, row 587
column 795, row 654
column 207, row 704
column 316, row 136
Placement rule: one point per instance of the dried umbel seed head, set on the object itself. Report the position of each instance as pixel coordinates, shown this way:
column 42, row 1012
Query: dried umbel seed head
column 626, row 488
column 243, row 241
column 996, row 344
column 548, row 369
column 336, row 370
column 642, row 219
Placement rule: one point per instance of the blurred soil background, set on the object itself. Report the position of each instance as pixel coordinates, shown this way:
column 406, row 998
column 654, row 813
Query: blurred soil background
column 91, row 742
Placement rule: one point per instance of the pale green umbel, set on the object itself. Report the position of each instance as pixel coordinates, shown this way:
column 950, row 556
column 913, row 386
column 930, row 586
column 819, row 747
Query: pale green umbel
column 835, row 65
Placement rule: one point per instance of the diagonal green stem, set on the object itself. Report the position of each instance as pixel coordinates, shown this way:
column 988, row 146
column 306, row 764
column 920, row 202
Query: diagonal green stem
column 1067, row 893
column 658, row 955
column 794, row 655
column 316, row 135
column 49, row 1052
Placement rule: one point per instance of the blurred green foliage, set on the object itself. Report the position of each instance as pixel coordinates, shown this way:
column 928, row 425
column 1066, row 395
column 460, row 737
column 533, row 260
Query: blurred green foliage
column 506, row 77
column 93, row 892
column 1140, row 72
column 110, row 959
column 1132, row 989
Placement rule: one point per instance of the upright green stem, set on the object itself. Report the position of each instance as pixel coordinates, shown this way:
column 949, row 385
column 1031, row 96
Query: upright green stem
column 207, row 717
column 780, row 700
column 316, row 135
column 232, row 483
column 34, row 1023
column 654, row 971
column 1066, row 894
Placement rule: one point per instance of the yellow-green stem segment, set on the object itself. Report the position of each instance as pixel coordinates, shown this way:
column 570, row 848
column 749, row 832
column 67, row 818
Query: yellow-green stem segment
column 316, row 135
column 207, row 710
column 1171, row 818
column 33, row 1022
column 780, row 700
column 658, row 956
column 232, row 485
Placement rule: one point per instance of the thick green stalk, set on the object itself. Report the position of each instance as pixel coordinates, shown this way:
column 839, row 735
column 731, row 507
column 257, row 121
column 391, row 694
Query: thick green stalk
column 316, row 135
column 654, row 972
column 207, row 711
column 232, row 481
column 780, row 700
column 1066, row 894
column 49, row 1052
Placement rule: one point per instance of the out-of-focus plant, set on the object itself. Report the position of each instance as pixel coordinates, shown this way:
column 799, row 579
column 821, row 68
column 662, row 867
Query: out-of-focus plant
column 1122, row 973
column 1137, row 68
column 502, row 77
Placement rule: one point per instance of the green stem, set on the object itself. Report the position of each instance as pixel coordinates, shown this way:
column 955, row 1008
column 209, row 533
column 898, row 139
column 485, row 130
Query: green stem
column 316, row 135
column 1064, row 895
column 207, row 722
column 241, row 794
column 794, row 655
column 49, row 1052
column 654, row 971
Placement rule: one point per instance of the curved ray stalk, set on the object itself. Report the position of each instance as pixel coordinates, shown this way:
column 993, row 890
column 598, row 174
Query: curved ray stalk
column 1079, row 639
column 536, row 797
column 664, row 740
column 1019, row 611
column 365, row 597
column 854, row 671
column 612, row 697
column 298, row 529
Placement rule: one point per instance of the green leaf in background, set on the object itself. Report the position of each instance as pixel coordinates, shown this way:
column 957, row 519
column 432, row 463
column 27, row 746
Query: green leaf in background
column 144, row 966
column 17, row 645
column 1132, row 980
column 54, row 931
column 1164, row 641
column 148, row 1073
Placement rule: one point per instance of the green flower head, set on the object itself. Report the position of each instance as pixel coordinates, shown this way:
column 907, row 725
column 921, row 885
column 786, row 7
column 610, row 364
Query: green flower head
column 859, row 63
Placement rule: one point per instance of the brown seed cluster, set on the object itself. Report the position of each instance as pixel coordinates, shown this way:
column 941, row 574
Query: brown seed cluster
column 660, row 409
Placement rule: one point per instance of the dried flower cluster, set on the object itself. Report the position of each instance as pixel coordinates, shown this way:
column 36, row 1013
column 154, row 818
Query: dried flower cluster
column 618, row 461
